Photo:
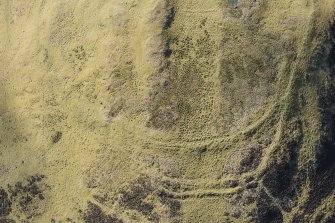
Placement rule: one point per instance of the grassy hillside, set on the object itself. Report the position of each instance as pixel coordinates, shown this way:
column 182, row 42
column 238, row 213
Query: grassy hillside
column 167, row 111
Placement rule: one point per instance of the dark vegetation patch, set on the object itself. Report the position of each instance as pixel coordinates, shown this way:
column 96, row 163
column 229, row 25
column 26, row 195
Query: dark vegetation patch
column 323, row 178
column 326, row 152
column 94, row 214
column 174, row 206
column 278, row 178
column 247, row 159
column 133, row 198
column 25, row 194
column 169, row 19
column 331, row 58
column 101, row 198
column 172, row 186
column 282, row 179
column 251, row 160
column 243, row 199
column 252, row 185
column 22, row 197
column 165, row 83
column 330, row 219
column 326, row 155
column 266, row 211
column 115, row 109
column 167, row 53
column 5, row 203
column 30, row 187
column 231, row 183
column 322, row 175
column 270, row 214
column 56, row 137
column 249, row 179
column 166, row 194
